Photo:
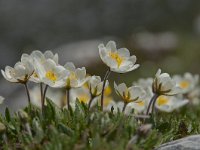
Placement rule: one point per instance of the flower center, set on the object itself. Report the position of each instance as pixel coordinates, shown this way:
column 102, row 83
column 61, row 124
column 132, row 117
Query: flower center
column 162, row 100
column 116, row 57
column 184, row 84
column 35, row 75
column 127, row 99
column 107, row 90
column 51, row 76
column 83, row 98
column 141, row 103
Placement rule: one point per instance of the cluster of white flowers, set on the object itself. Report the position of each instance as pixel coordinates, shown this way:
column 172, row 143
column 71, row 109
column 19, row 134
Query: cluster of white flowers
column 45, row 69
column 67, row 83
column 173, row 93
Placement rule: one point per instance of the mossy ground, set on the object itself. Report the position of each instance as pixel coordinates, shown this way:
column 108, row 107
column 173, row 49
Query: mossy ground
column 59, row 129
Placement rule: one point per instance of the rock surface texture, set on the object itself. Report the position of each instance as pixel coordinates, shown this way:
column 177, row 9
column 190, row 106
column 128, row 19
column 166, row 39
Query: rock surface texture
column 188, row 143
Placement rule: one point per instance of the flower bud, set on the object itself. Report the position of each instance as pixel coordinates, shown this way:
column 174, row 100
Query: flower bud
column 144, row 129
column 23, row 115
column 163, row 84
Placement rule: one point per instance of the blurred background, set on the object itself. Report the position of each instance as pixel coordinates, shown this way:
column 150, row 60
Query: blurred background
column 162, row 34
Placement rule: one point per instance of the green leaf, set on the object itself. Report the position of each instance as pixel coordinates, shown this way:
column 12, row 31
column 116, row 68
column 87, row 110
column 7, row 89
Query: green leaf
column 39, row 133
column 7, row 114
column 79, row 109
column 65, row 129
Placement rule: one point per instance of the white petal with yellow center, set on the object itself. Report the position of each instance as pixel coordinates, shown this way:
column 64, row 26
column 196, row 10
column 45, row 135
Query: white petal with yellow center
column 51, row 76
column 184, row 84
column 162, row 100
column 117, row 58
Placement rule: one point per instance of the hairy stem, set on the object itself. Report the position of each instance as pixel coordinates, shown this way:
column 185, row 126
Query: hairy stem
column 44, row 97
column 103, row 88
column 125, row 104
column 41, row 92
column 90, row 102
column 68, row 97
column 28, row 94
column 153, row 100
column 153, row 105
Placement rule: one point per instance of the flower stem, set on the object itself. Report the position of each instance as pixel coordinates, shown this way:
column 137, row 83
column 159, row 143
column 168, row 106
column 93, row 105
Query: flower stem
column 153, row 100
column 41, row 92
column 28, row 95
column 153, row 105
column 104, row 83
column 68, row 97
column 43, row 99
column 125, row 104
column 90, row 102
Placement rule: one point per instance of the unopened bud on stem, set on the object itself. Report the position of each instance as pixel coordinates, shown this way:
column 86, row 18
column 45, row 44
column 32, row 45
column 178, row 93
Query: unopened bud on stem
column 23, row 116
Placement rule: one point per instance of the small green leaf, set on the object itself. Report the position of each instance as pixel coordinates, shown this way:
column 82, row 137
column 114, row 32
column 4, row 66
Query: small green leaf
column 7, row 114
column 65, row 129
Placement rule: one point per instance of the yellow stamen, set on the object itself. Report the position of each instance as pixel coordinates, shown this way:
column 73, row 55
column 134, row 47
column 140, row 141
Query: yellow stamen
column 116, row 57
column 35, row 75
column 140, row 103
column 51, row 76
column 162, row 100
column 108, row 90
column 83, row 98
column 184, row 84
column 127, row 99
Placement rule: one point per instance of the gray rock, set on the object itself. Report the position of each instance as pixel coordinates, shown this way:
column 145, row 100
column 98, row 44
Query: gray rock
column 188, row 143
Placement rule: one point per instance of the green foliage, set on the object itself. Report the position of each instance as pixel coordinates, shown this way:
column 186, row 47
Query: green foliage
column 58, row 129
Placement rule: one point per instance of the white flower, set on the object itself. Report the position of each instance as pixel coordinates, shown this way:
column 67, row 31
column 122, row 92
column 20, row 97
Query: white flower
column 107, row 101
column 140, row 107
column 170, row 103
column 77, row 76
column 163, row 84
column 144, row 83
column 118, row 60
column 41, row 58
column 82, row 94
column 188, row 82
column 130, row 94
column 128, row 110
column 1, row 99
column 50, row 73
column 194, row 96
column 110, row 104
column 95, row 85
column 20, row 73
column 118, row 106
